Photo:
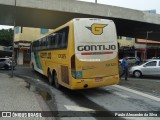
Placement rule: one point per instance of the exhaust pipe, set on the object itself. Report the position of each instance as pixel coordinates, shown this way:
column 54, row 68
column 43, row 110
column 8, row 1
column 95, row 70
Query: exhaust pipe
column 85, row 86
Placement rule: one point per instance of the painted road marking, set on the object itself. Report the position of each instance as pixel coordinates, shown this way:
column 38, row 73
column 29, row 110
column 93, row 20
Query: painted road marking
column 138, row 93
column 77, row 108
column 121, row 95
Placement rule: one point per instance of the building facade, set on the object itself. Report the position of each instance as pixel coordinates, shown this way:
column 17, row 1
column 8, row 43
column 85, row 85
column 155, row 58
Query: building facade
column 126, row 46
column 144, row 49
column 22, row 40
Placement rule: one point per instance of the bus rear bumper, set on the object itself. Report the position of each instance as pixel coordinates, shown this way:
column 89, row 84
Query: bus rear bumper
column 94, row 82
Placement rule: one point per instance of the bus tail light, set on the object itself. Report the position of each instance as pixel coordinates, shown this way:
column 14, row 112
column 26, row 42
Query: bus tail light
column 73, row 66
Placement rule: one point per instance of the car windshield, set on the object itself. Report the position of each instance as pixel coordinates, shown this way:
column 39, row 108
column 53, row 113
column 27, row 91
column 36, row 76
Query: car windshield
column 2, row 60
column 11, row 58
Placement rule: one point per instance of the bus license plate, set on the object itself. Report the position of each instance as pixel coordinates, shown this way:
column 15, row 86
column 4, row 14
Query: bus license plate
column 98, row 79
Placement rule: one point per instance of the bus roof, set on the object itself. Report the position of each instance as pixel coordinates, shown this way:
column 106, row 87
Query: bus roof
column 67, row 24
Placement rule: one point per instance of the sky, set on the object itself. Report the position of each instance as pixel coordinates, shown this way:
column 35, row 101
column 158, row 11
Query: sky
column 133, row 4
column 5, row 27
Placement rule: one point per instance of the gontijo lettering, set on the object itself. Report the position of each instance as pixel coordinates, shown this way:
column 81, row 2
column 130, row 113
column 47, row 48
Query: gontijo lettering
column 95, row 47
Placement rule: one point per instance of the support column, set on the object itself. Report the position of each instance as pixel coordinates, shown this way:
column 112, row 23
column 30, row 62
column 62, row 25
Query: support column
column 20, row 58
column 135, row 53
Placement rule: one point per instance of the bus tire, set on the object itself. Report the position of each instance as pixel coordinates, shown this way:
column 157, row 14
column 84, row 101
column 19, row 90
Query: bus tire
column 57, row 85
column 33, row 67
column 50, row 79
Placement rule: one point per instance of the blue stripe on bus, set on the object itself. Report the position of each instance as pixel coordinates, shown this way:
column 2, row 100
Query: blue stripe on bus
column 37, row 59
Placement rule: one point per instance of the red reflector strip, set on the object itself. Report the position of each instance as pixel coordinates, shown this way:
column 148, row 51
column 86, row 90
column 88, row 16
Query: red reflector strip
column 107, row 52
column 86, row 53
column 96, row 53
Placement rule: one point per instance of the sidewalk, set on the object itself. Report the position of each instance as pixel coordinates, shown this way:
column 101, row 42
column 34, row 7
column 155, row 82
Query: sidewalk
column 14, row 96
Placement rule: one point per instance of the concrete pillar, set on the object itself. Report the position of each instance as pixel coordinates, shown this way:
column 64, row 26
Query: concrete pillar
column 20, row 58
column 135, row 53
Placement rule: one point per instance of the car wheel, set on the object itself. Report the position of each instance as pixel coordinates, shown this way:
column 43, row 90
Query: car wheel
column 137, row 74
column 6, row 67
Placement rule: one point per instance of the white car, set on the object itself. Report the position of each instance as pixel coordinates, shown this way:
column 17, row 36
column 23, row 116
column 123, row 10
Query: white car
column 153, row 58
column 7, row 63
column 151, row 67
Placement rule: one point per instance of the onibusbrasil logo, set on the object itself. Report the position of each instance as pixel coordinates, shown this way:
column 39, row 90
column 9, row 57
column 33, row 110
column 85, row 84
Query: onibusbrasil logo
column 97, row 29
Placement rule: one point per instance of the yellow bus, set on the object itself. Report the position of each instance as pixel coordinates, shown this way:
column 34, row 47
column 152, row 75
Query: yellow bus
column 80, row 54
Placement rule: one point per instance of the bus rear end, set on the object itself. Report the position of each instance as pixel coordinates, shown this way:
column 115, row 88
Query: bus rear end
column 95, row 62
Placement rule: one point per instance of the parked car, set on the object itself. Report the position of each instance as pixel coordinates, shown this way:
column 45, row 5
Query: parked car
column 152, row 58
column 151, row 67
column 155, row 57
column 131, row 60
column 7, row 63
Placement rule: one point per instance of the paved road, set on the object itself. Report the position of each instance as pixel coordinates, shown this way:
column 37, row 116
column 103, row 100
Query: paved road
column 146, row 84
column 133, row 95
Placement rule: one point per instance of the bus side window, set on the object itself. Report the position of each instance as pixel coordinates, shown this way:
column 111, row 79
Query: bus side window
column 53, row 42
column 40, row 45
column 65, row 37
column 49, row 42
column 59, row 40
column 44, row 43
column 37, row 45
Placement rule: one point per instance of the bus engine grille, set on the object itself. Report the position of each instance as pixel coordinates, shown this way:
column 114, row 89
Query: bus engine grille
column 64, row 74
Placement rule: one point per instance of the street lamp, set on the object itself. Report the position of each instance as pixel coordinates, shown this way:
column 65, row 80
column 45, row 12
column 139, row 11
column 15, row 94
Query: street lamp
column 146, row 43
column 13, row 36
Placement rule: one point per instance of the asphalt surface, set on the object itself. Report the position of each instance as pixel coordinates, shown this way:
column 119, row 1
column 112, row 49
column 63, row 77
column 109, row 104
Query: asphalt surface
column 149, row 84
column 133, row 95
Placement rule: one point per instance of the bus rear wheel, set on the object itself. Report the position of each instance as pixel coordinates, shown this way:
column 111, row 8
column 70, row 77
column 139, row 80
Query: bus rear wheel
column 33, row 67
column 57, row 85
column 50, row 79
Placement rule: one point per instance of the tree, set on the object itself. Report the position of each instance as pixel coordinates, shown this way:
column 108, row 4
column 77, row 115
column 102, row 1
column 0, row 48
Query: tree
column 6, row 37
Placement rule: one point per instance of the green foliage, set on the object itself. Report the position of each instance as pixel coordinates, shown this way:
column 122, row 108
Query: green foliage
column 6, row 37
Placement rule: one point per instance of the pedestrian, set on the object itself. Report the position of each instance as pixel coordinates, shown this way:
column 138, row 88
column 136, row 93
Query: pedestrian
column 137, row 61
column 125, row 67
